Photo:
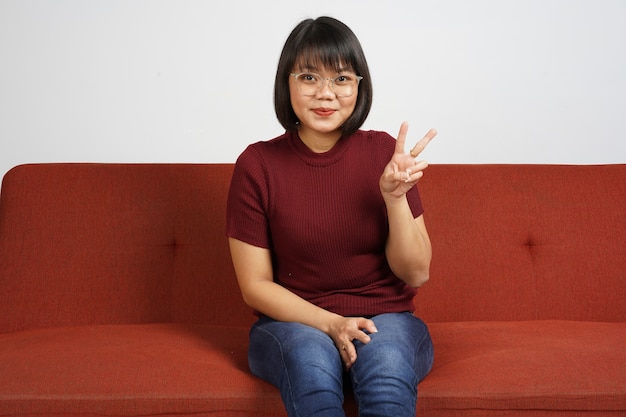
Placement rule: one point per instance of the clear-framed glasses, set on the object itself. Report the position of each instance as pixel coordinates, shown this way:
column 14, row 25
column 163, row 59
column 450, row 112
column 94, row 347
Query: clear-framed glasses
column 309, row 83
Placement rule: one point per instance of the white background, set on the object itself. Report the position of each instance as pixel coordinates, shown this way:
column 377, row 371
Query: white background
column 533, row 81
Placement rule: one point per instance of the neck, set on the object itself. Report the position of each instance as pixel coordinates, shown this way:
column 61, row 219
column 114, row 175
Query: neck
column 319, row 142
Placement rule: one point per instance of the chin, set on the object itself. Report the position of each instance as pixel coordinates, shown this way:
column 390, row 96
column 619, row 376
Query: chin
column 326, row 127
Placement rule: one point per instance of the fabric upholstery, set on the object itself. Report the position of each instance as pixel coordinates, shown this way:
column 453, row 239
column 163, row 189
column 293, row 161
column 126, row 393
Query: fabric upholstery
column 147, row 369
column 118, row 298
column 111, row 244
column 525, row 242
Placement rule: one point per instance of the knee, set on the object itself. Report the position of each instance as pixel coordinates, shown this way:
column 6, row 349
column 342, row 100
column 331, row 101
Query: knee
column 386, row 385
column 387, row 364
column 316, row 362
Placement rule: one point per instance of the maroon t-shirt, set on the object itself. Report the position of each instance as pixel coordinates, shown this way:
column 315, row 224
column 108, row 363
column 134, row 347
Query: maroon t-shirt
column 323, row 218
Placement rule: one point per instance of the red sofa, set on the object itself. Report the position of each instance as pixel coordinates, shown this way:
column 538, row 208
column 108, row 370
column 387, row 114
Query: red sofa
column 118, row 298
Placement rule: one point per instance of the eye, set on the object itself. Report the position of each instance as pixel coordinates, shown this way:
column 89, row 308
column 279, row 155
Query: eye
column 344, row 79
column 308, row 78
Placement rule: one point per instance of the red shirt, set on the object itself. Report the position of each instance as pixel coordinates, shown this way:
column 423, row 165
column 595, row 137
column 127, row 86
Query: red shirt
column 323, row 218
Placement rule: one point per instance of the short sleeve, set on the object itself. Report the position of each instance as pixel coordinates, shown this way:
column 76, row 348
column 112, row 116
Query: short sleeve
column 247, row 204
column 415, row 201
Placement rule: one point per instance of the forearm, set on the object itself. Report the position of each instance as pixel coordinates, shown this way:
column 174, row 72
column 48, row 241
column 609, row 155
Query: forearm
column 408, row 247
column 281, row 304
column 253, row 267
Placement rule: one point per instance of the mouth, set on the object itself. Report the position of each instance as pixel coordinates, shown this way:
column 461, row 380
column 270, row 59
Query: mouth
column 323, row 111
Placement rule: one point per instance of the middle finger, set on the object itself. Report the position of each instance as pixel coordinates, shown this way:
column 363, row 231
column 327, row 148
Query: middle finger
column 419, row 147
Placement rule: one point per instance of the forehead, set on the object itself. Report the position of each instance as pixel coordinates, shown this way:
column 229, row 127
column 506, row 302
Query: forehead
column 320, row 61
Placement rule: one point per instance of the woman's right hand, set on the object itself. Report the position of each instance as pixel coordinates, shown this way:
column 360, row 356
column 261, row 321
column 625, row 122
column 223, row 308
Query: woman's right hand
column 344, row 330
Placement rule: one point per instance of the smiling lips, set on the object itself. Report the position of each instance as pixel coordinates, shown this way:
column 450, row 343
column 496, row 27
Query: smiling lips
column 324, row 112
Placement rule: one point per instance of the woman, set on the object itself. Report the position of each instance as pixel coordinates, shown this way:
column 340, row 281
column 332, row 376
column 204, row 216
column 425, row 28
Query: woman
column 328, row 240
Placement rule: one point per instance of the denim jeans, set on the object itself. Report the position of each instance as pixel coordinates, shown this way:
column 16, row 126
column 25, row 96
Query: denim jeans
column 305, row 365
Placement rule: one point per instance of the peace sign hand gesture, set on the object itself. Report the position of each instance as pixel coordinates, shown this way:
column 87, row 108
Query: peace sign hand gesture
column 403, row 170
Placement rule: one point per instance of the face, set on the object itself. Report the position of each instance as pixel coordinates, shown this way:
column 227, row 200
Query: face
column 321, row 115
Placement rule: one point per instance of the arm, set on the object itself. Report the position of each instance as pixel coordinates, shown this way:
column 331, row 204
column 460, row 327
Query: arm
column 253, row 267
column 408, row 247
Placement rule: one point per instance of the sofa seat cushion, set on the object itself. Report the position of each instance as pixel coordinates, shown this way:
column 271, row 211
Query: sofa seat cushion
column 131, row 370
column 529, row 368
column 533, row 369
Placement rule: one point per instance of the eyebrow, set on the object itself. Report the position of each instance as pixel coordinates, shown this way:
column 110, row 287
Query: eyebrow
column 313, row 69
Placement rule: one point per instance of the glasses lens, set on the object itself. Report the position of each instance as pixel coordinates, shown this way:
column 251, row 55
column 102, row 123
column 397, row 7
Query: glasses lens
column 310, row 84
column 344, row 85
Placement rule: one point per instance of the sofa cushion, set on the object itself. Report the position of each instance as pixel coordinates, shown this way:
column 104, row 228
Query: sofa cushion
column 534, row 368
column 131, row 370
column 529, row 368
column 525, row 242
column 89, row 244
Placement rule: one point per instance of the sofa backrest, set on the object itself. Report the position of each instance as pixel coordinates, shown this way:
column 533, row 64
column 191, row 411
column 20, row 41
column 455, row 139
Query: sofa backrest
column 525, row 242
column 116, row 243
column 138, row 243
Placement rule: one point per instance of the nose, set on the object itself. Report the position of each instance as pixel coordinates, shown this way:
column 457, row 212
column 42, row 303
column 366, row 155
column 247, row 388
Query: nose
column 327, row 87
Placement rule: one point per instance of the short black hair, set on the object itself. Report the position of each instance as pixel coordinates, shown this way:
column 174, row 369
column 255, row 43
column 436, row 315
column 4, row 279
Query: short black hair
column 323, row 42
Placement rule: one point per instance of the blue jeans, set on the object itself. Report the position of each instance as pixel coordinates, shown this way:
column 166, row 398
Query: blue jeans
column 305, row 365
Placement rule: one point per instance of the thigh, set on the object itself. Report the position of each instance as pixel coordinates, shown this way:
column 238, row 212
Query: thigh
column 403, row 337
column 388, row 368
column 302, row 362
column 276, row 345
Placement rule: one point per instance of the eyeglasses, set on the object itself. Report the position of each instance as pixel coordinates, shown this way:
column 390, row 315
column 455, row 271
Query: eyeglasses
column 309, row 83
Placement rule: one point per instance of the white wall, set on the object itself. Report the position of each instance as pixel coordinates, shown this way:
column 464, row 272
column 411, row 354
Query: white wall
column 532, row 81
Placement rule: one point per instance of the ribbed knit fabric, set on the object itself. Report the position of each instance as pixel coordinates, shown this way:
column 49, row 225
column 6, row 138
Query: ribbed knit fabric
column 323, row 218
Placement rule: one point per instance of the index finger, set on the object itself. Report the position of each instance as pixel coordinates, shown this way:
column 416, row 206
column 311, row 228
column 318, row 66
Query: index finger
column 421, row 145
column 366, row 327
column 401, row 139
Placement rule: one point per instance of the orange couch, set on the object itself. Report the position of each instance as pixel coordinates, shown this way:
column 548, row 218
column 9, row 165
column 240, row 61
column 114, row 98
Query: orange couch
column 118, row 298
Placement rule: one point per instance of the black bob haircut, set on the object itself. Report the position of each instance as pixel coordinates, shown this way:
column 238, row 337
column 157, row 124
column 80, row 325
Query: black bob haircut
column 322, row 43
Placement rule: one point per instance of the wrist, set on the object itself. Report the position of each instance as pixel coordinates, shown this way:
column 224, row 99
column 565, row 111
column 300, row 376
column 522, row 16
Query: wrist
column 327, row 320
column 392, row 201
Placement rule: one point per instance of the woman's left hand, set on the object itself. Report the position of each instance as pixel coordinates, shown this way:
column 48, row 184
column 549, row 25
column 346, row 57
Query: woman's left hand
column 403, row 170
